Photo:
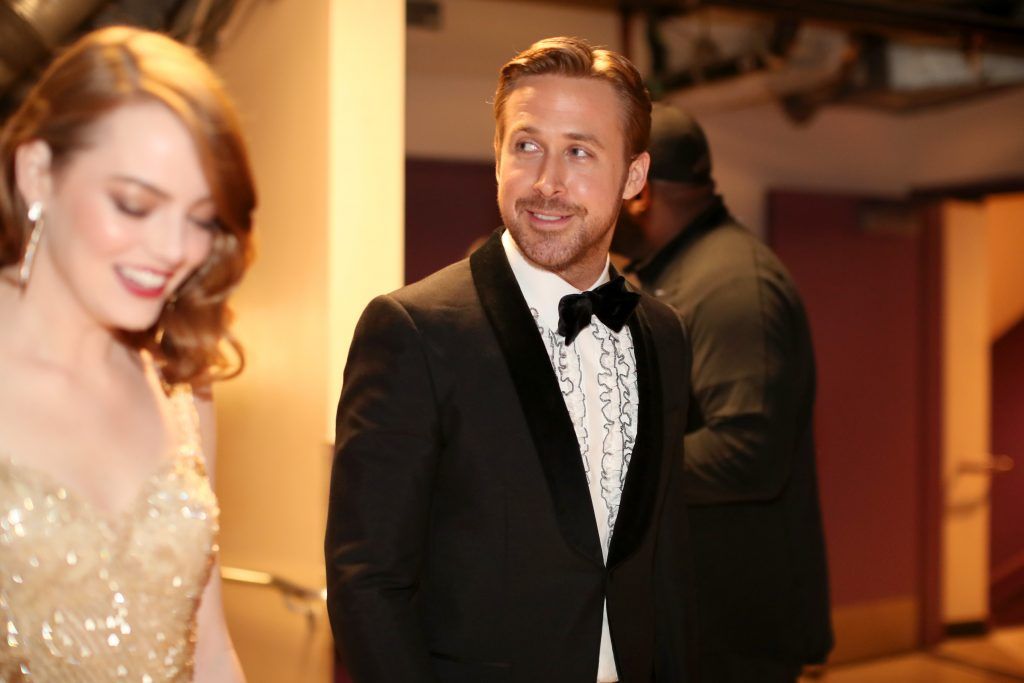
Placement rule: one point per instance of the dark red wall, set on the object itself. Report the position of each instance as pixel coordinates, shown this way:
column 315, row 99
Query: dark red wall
column 448, row 205
column 864, row 294
column 1007, row 550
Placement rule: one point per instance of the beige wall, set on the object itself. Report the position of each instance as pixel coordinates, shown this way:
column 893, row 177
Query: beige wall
column 849, row 149
column 1005, row 220
column 324, row 125
column 367, row 168
column 966, row 413
column 452, row 72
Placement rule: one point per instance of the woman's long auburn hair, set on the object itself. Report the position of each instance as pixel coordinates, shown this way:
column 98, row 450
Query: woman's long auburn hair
column 113, row 67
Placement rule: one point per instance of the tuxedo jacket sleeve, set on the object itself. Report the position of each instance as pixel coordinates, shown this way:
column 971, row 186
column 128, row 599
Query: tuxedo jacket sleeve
column 387, row 440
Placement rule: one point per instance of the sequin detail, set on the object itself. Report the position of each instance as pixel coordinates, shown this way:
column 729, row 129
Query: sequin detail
column 87, row 595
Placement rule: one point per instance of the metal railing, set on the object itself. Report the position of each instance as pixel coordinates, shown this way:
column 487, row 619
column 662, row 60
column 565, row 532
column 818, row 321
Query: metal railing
column 297, row 598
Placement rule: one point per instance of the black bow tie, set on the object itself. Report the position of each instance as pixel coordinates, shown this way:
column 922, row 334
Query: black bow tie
column 612, row 303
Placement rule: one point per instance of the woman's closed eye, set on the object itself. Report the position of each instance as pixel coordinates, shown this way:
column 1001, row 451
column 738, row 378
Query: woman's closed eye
column 209, row 223
column 132, row 207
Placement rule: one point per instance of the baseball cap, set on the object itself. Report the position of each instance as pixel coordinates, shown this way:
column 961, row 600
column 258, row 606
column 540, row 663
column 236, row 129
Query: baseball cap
column 679, row 150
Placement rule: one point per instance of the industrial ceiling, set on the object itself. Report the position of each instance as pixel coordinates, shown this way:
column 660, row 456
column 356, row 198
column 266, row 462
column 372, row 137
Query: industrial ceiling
column 896, row 55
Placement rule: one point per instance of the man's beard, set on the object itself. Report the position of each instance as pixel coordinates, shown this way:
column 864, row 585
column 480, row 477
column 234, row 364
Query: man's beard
column 557, row 251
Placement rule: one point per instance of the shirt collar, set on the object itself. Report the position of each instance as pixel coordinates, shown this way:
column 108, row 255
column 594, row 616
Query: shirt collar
column 541, row 288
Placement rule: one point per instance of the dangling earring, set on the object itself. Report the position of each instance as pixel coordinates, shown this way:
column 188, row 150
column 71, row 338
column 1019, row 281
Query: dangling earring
column 35, row 216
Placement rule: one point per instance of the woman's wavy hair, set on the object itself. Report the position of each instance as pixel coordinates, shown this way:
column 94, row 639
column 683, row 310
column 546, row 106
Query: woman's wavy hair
column 112, row 67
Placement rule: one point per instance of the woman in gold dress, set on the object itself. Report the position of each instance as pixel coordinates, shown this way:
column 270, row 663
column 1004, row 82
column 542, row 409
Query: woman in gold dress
column 125, row 211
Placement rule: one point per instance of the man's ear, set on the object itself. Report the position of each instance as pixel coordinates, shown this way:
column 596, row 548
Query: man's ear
column 638, row 205
column 497, row 159
column 636, row 175
column 32, row 171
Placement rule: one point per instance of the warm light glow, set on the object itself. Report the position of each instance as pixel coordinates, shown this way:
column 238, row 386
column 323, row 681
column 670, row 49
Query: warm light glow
column 966, row 414
column 1004, row 215
column 366, row 196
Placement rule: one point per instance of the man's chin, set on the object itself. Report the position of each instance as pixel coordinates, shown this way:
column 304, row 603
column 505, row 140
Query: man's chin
column 559, row 261
column 555, row 250
column 547, row 260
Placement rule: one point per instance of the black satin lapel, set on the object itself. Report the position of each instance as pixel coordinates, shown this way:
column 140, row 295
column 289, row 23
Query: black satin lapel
column 641, row 487
column 539, row 395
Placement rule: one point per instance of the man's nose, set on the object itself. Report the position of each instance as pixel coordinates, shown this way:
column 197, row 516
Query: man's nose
column 550, row 178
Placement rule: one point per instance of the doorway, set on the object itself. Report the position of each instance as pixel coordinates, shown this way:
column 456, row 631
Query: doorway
column 916, row 311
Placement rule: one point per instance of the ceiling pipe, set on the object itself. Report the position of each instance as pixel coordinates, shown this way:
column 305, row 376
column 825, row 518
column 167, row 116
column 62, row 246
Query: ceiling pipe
column 971, row 28
column 32, row 29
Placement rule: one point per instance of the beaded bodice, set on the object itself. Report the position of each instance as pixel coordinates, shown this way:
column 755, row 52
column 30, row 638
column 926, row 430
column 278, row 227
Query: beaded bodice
column 87, row 595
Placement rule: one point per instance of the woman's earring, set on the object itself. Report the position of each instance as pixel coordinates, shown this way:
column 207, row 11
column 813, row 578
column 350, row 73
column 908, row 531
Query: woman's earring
column 35, row 216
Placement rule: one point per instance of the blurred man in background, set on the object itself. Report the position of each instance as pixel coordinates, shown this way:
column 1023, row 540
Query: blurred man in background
column 750, row 479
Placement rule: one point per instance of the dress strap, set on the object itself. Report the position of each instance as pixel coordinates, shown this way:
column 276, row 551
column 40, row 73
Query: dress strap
column 185, row 415
column 186, row 419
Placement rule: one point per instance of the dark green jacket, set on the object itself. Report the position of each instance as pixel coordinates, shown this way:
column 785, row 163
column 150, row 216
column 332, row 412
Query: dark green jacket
column 750, row 479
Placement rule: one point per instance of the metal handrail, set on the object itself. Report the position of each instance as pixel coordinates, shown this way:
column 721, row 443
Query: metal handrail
column 988, row 465
column 297, row 598
column 992, row 464
column 285, row 586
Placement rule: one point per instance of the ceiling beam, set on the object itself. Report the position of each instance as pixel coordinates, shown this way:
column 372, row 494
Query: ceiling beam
column 971, row 28
column 974, row 29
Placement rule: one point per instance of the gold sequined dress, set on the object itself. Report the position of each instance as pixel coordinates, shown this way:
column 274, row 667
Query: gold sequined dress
column 91, row 596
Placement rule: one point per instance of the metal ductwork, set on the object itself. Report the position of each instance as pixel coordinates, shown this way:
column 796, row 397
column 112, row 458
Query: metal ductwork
column 714, row 57
column 31, row 29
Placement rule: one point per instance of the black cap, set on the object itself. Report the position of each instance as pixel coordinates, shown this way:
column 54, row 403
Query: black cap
column 679, row 149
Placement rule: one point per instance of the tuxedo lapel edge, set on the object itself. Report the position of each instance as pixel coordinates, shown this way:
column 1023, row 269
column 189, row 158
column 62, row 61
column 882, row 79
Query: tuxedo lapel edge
column 640, row 489
column 539, row 396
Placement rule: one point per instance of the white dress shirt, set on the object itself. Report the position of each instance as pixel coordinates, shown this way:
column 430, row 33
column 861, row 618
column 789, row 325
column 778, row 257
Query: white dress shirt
column 597, row 374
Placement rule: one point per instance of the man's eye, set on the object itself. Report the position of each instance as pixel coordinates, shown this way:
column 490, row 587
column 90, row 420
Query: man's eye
column 527, row 146
column 579, row 152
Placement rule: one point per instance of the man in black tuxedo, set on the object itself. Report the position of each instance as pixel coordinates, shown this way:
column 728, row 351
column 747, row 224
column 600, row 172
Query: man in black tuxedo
column 506, row 499
column 758, row 548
